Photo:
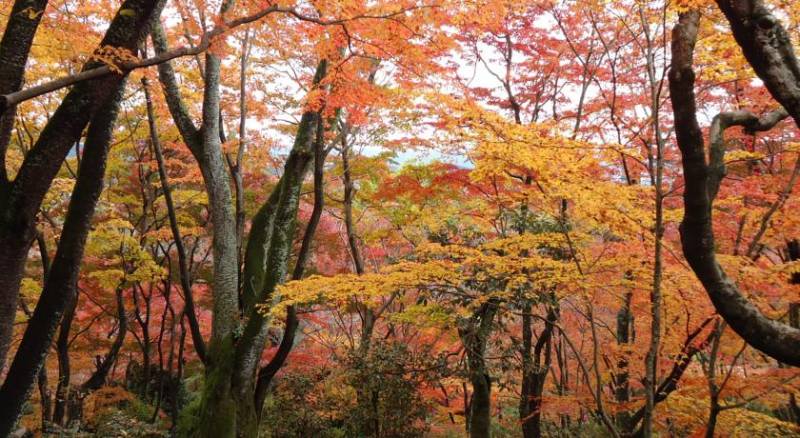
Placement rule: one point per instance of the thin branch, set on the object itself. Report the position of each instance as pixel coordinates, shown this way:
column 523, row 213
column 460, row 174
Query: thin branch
column 11, row 99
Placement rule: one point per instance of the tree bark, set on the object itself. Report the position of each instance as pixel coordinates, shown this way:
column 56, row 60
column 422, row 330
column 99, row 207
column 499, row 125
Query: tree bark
column 71, row 399
column 793, row 249
column 713, row 388
column 45, row 401
column 218, row 410
column 237, row 168
column 62, row 279
column 20, row 200
column 651, row 359
column 15, row 47
column 145, row 341
column 217, row 181
column 100, row 375
column 711, row 424
column 276, row 251
column 364, row 395
column 767, row 47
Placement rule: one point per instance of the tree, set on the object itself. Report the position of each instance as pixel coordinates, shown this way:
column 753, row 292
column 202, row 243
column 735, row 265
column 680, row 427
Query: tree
column 98, row 100
column 398, row 219
column 702, row 178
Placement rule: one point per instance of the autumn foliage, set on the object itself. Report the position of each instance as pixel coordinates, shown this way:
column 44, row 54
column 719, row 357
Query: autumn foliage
column 395, row 219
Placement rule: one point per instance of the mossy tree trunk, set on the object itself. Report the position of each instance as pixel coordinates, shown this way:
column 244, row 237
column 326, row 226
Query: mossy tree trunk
column 228, row 405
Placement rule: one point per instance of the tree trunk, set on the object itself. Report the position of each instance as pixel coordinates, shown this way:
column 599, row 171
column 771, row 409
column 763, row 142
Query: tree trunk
column 219, row 411
column 474, row 332
column 267, row 373
column 625, row 337
column 670, row 383
column 534, row 371
column 364, row 395
column 100, row 375
column 20, row 200
column 711, row 425
column 228, row 401
column 144, row 342
column 183, row 259
column 767, row 47
column 72, row 405
column 714, row 389
column 281, row 236
column 651, row 359
column 179, row 377
column 23, row 21
column 62, row 353
column 44, row 396
column 63, row 276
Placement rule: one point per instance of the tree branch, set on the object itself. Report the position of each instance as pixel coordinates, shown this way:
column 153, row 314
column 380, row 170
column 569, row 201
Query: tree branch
column 11, row 99
column 725, row 120
column 775, row 339
column 183, row 264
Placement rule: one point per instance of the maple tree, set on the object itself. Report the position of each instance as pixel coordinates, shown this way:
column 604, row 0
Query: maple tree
column 392, row 219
